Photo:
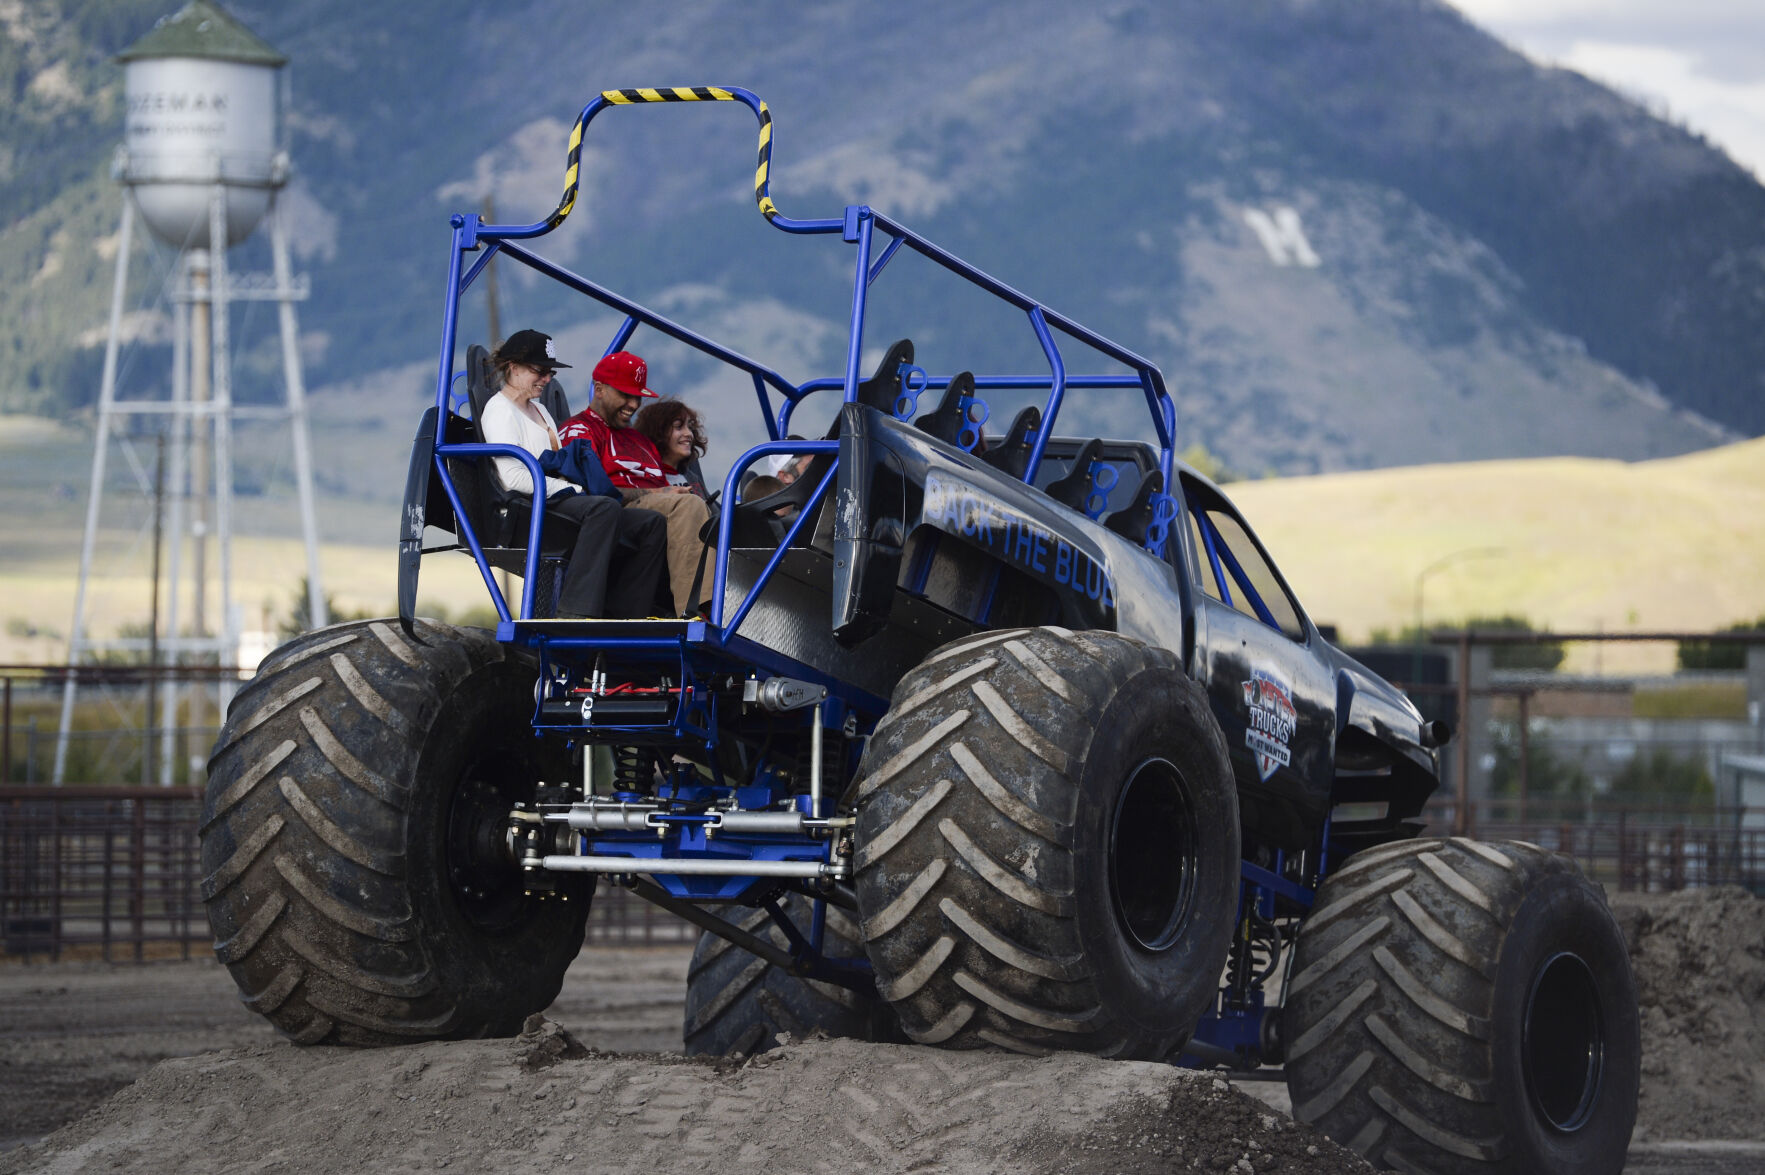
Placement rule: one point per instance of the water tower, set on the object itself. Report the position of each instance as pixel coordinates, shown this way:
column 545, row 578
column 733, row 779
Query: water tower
column 202, row 168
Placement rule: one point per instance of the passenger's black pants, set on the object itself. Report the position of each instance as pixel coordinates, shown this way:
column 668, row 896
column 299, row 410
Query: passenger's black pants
column 632, row 543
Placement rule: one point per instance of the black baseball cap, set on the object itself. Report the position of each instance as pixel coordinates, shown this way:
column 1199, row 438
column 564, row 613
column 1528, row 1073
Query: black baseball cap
column 532, row 347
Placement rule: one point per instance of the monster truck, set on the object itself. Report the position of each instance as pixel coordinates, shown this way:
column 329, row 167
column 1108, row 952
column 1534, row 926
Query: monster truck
column 1003, row 740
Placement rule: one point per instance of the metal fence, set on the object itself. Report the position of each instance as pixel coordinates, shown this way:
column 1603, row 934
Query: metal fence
column 1643, row 849
column 131, row 724
column 114, row 868
column 114, row 873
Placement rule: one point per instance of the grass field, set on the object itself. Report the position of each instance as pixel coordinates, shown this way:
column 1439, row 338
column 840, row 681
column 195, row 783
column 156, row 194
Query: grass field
column 45, row 470
column 1580, row 544
column 1574, row 544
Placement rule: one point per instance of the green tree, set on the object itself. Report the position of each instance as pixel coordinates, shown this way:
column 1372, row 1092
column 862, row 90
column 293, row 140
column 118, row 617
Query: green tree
column 1543, row 654
column 1719, row 654
column 128, row 630
column 477, row 616
column 1661, row 774
column 1202, row 460
column 1547, row 773
column 298, row 618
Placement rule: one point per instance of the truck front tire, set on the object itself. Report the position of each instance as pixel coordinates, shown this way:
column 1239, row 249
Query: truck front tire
column 1460, row 1006
column 1047, row 847
column 354, row 873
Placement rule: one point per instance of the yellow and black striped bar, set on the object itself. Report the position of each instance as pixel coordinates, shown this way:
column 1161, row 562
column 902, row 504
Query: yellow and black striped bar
column 630, row 97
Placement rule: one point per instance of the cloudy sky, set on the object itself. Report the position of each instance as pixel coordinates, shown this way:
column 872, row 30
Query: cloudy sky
column 1700, row 62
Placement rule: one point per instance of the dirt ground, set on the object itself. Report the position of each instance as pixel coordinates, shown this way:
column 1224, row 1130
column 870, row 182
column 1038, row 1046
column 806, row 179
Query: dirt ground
column 519, row 1106
column 231, row 1095
column 1699, row 960
column 73, row 1034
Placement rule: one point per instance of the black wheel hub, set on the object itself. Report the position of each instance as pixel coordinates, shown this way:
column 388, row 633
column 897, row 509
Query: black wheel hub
column 486, row 882
column 1563, row 1044
column 1152, row 855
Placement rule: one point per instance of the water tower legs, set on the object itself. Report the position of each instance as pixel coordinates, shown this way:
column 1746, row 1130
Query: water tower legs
column 179, row 425
column 200, row 419
column 222, row 340
column 296, row 388
column 106, row 402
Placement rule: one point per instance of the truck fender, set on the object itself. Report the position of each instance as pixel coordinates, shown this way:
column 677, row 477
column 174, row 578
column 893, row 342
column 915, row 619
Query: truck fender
column 870, row 529
column 419, row 487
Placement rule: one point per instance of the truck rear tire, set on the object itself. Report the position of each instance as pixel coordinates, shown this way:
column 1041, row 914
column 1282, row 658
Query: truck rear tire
column 352, row 860
column 737, row 1003
column 1459, row 1006
column 1048, row 847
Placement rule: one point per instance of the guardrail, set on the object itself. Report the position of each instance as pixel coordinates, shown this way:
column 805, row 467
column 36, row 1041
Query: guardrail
column 114, row 873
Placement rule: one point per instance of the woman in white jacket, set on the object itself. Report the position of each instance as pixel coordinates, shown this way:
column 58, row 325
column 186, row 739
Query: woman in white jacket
column 606, row 530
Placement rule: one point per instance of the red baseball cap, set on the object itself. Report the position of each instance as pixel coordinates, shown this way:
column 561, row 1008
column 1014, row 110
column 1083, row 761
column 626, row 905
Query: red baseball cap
column 624, row 371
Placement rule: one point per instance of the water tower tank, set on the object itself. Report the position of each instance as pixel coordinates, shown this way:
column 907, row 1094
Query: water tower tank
column 201, row 92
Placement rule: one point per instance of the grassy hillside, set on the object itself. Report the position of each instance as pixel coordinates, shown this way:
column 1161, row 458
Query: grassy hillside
column 1669, row 544
column 45, row 468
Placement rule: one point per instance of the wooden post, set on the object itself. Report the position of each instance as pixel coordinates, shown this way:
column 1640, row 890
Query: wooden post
column 55, row 877
column 147, row 717
column 1623, row 850
column 105, row 889
column 138, row 875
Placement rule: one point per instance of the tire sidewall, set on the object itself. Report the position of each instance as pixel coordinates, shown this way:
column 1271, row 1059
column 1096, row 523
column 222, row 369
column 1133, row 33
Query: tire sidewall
column 1563, row 912
column 1161, row 993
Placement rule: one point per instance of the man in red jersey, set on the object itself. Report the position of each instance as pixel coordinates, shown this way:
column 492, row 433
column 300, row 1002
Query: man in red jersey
column 634, row 466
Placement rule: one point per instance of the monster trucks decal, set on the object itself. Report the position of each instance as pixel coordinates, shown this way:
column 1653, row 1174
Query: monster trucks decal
column 1269, row 729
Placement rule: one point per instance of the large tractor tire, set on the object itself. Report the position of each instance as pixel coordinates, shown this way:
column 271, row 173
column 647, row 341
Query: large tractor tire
column 1047, row 847
column 352, row 840
column 737, row 1003
column 1458, row 1006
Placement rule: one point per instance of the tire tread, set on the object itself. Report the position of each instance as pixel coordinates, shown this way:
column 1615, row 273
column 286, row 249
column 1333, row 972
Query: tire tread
column 968, row 818
column 1392, row 1033
column 305, row 868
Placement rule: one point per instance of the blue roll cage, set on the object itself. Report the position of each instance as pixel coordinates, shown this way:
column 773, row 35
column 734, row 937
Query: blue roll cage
column 858, row 225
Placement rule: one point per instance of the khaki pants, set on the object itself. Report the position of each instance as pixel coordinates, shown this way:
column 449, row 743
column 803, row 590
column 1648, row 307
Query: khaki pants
column 686, row 515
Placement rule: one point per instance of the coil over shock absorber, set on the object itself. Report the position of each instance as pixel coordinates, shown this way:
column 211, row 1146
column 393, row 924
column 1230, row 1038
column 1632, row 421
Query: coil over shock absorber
column 833, row 750
column 634, row 769
column 1255, row 953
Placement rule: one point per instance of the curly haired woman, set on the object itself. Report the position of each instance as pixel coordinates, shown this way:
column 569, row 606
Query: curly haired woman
column 678, row 433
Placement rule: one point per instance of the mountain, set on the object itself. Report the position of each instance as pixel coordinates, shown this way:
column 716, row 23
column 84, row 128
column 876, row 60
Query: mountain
column 1352, row 234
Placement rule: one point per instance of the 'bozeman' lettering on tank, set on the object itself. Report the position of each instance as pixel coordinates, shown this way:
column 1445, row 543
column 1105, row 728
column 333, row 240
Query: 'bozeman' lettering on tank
column 960, row 510
column 1270, row 722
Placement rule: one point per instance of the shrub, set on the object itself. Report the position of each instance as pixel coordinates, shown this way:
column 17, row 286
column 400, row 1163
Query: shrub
column 1719, row 655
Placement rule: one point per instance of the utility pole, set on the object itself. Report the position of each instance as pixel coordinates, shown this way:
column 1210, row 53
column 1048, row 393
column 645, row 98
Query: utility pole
column 147, row 715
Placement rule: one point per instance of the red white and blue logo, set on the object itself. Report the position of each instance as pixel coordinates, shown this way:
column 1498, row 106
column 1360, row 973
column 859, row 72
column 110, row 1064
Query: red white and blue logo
column 1270, row 721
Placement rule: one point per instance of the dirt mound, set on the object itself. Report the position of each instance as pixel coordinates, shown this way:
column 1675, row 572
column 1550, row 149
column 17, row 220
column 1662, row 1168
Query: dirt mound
column 543, row 1102
column 1699, row 959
